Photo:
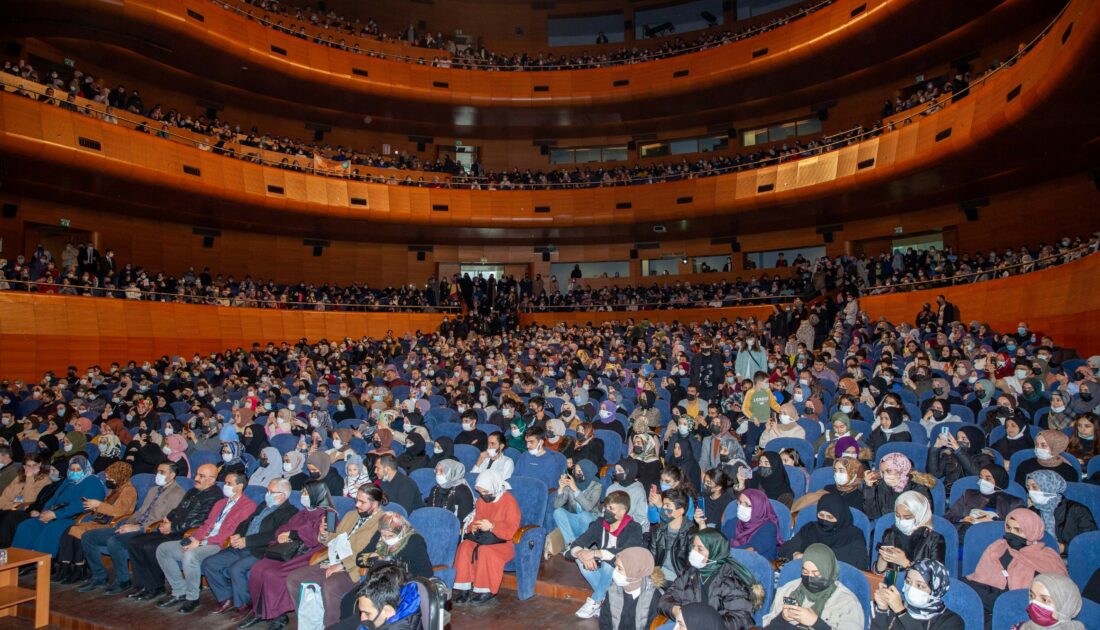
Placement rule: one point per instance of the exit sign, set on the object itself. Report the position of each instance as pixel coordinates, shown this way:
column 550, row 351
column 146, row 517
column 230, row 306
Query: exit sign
column 899, row 230
column 64, row 223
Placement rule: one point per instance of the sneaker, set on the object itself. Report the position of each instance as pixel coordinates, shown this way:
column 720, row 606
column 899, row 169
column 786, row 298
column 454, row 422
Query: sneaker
column 589, row 610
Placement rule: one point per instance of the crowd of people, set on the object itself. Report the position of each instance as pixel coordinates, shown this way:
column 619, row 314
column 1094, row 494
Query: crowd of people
column 678, row 453
column 332, row 30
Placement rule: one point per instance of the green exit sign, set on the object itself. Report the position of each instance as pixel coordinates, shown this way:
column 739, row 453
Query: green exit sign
column 64, row 223
column 899, row 230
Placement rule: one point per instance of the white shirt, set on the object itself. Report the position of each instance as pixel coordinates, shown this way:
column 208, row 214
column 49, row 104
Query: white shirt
column 502, row 464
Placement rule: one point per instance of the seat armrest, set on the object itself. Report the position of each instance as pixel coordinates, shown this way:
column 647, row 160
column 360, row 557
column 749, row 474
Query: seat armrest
column 521, row 531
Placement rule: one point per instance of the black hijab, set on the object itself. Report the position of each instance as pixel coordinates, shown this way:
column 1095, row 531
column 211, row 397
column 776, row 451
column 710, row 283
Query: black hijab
column 688, row 461
column 777, row 483
column 257, row 443
column 414, row 456
column 630, row 471
column 319, row 495
column 832, row 536
column 445, row 449
column 700, row 616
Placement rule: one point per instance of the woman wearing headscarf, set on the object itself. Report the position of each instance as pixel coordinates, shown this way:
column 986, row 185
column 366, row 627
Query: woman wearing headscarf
column 840, row 427
column 771, row 477
column 232, row 461
column 1013, row 561
column 1031, row 399
column 911, row 537
column 444, row 448
column 356, row 475
column 253, row 438
column 516, row 428
column 43, row 534
column 631, row 602
column 382, row 443
column 757, row 524
column 716, row 579
column 319, row 467
column 36, row 473
column 486, row 541
column 294, row 462
column 847, row 482
column 451, row 492
column 983, row 394
column 953, row 457
column 120, row 501
column 336, row 580
column 268, row 578
column 414, row 456
column 397, row 541
column 341, row 444
column 919, row 603
column 175, row 449
column 119, row 429
column 783, row 424
column 1087, row 398
column 585, row 446
column 1083, row 443
column 1053, row 602
column 110, row 449
column 1017, row 436
column 271, row 467
column 578, row 497
column 832, row 528
column 624, row 476
column 819, row 595
column 556, row 439
column 895, row 476
column 682, row 454
column 1062, row 518
column 71, row 444
column 889, row 427
column 986, row 503
column 1059, row 416
column 721, row 446
column 644, row 451
column 1049, row 447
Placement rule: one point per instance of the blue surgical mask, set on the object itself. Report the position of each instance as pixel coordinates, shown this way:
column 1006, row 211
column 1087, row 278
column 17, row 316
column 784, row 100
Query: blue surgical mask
column 269, row 499
column 665, row 486
column 76, row 475
column 267, row 406
column 61, row 412
column 54, row 476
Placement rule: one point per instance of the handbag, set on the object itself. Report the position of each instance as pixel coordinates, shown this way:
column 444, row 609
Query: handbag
column 285, row 551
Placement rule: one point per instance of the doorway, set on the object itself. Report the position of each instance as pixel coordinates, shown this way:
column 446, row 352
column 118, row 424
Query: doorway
column 53, row 238
column 497, row 271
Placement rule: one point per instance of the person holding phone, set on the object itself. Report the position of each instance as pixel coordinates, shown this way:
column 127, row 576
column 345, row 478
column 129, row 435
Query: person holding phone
column 895, row 475
column 817, row 598
column 918, row 603
column 911, row 538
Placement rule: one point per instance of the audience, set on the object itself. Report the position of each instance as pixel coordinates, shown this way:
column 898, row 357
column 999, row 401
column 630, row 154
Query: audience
column 818, row 599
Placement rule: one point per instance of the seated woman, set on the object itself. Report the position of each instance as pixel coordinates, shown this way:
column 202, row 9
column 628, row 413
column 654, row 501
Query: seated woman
column 848, row 482
column 832, row 528
column 1017, row 436
column 1083, row 443
column 20, row 494
column 911, row 537
column 294, row 462
column 415, row 455
column 624, row 477
column 43, row 534
column 451, row 492
column 820, row 600
column 340, row 578
column 576, row 501
column 716, row 496
column 672, row 478
column 232, row 460
column 770, row 477
column 270, row 467
column 952, row 457
column 646, row 452
column 267, row 581
column 782, row 425
column 1062, row 518
column 1049, row 446
column 791, row 458
column 595, row 549
column 986, row 503
column 397, row 541
column 895, row 476
column 889, row 427
column 1053, row 602
column 631, row 602
column 121, row 501
column 670, row 535
column 716, row 579
column 757, row 524
column 919, row 603
column 1060, row 416
column 840, row 427
column 486, row 542
column 683, row 453
column 1013, row 561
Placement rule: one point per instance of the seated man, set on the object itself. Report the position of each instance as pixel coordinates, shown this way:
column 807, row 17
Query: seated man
column 595, row 549
column 536, row 462
column 158, row 502
column 399, row 488
column 227, row 571
column 181, row 561
column 470, row 434
column 494, row 458
column 193, row 509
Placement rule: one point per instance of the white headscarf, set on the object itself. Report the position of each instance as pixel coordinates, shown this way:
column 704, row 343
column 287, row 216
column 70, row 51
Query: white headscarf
column 492, row 481
column 273, row 470
column 918, row 504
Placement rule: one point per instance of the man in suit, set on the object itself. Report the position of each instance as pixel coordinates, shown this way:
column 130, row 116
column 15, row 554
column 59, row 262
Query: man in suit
column 226, row 572
column 159, row 501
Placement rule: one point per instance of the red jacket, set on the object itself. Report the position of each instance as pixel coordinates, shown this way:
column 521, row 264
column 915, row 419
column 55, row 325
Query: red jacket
column 241, row 510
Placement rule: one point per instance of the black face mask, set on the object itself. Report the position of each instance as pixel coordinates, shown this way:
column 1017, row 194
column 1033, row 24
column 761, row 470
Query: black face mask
column 620, row 478
column 764, row 472
column 609, row 516
column 1015, row 541
column 827, row 526
column 639, row 449
column 938, row 414
column 725, row 458
column 111, row 484
column 579, row 478
column 815, row 584
column 938, row 391
column 1085, row 396
column 314, row 474
column 486, row 497
column 716, row 429
column 377, row 444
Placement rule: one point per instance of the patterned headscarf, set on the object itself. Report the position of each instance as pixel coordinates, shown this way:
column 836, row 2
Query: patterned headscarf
column 939, row 581
column 649, row 448
column 897, row 463
column 1054, row 486
column 855, row 470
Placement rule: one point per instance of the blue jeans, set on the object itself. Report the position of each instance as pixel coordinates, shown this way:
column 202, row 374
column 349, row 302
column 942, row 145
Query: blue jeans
column 571, row 523
column 227, row 572
column 93, row 540
column 599, row 580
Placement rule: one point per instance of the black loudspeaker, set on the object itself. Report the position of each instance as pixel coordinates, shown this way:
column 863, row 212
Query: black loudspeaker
column 971, row 213
column 544, row 150
column 208, row 242
column 211, row 113
column 421, row 256
column 420, row 146
column 731, row 133
column 735, row 246
column 823, row 114
column 318, row 135
column 828, row 237
column 14, row 49
column 9, row 210
column 630, row 146
column 546, row 257
column 633, row 254
column 317, row 249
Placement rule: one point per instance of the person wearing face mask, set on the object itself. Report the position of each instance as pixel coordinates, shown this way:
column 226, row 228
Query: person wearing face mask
column 889, row 427
column 345, row 408
column 706, row 368
column 270, row 467
column 671, row 533
column 720, row 446
column 1054, row 601
column 496, row 520
column 386, row 600
column 757, row 525
column 624, row 477
column 919, row 603
column 516, row 433
column 1063, row 518
column 576, row 501
column 399, row 488
column 645, row 451
column 586, row 446
column 470, row 434
column 451, row 491
column 595, row 548
column 716, row 496
column 832, row 528
column 537, row 462
column 1050, row 455
column 783, row 424
column 556, row 439
column 631, row 602
column 494, row 457
column 397, row 542
column 895, row 476
column 120, row 502
column 840, row 428
column 293, row 467
column 415, row 455
column 1087, row 399
column 821, row 600
column 1059, row 416
column 911, row 537
column 231, row 460
column 43, row 534
column 267, row 581
column 771, row 478
column 46, row 476
column 713, row 577
column 986, row 503
column 226, row 572
column 1013, row 562
column 1083, row 443
column 952, row 457
column 1014, row 382
column 847, row 484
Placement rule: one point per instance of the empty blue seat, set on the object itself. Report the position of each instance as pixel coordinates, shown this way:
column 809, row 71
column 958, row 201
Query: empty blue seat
column 467, row 454
column 442, row 532
column 425, row 480
column 530, row 494
column 820, row 478
column 1084, row 557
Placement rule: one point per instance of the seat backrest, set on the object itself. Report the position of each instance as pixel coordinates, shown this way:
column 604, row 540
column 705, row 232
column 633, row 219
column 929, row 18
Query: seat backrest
column 530, row 494
column 445, row 429
column 813, row 431
column 255, row 493
column 142, row 482
column 940, row 525
column 783, row 513
column 198, row 458
column 964, row 601
column 804, row 448
column 1086, row 494
column 612, row 445
column 425, row 480
column 761, row 569
column 979, row 536
column 467, row 454
column 389, row 507
column 441, row 531
column 808, row 514
column 1084, row 557
column 820, row 478
column 284, row 443
column 850, row 576
column 798, row 478
column 343, row 505
column 1019, row 457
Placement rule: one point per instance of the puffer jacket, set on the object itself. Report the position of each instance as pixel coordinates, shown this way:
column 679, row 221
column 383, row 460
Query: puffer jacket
column 726, row 594
column 662, row 543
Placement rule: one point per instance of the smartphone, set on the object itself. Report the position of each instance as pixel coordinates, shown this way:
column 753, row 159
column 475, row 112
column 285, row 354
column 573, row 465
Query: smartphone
column 790, row 601
column 889, row 578
column 944, row 432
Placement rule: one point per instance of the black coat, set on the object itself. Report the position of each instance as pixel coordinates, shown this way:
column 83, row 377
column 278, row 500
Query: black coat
column 946, row 620
column 261, row 539
column 662, row 543
column 596, row 537
column 458, row 500
column 193, row 509
column 921, row 544
column 1070, row 519
column 724, row 592
column 403, row 491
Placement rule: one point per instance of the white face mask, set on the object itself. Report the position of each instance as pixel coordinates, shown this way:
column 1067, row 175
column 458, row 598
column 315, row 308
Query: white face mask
column 906, row 525
column 986, row 487
column 535, row 451
column 287, row 467
column 68, row 446
column 440, row 479
column 391, row 540
column 1038, row 497
column 337, row 444
column 916, row 597
column 161, row 479
column 227, row 457
column 468, row 426
column 619, row 579
column 744, row 513
column 1021, row 374
column 696, row 559
column 840, row 477
column 1040, row 453
column 1058, row 409
column 168, row 431
column 605, row 414
column 785, row 418
column 491, row 451
column 166, row 450
column 305, row 500
column 846, row 409
column 227, row 491
column 798, row 395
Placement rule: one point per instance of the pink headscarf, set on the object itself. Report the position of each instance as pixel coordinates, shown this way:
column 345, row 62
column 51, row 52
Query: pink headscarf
column 762, row 512
column 1033, row 559
column 896, row 462
column 178, row 444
